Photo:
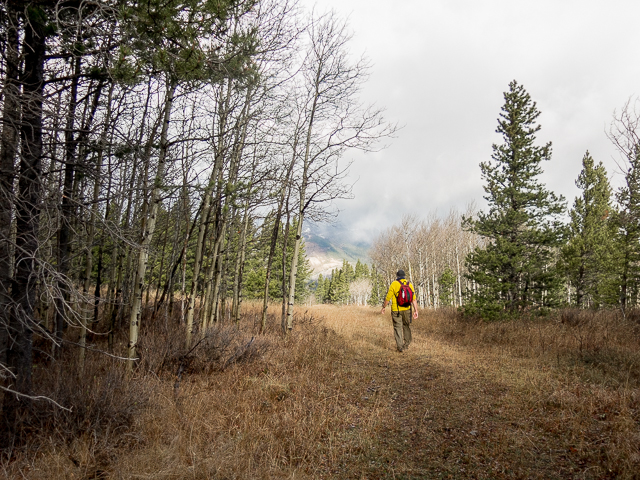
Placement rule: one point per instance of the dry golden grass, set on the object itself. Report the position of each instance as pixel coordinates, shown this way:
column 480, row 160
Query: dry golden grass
column 550, row 398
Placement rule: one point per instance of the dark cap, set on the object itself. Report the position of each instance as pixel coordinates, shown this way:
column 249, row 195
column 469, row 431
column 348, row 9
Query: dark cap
column 400, row 274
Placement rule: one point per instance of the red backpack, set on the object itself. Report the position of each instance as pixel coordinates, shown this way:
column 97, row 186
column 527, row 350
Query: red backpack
column 405, row 295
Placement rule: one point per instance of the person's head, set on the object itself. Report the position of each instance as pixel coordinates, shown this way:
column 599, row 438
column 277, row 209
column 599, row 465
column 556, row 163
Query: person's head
column 400, row 274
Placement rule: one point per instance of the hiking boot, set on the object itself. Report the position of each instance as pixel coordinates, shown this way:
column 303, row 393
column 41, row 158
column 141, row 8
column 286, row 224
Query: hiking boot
column 405, row 347
column 400, row 350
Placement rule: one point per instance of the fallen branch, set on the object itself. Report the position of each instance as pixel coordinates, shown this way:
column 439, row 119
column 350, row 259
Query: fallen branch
column 39, row 397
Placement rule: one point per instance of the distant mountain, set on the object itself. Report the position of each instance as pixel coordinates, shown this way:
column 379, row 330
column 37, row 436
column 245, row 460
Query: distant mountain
column 329, row 245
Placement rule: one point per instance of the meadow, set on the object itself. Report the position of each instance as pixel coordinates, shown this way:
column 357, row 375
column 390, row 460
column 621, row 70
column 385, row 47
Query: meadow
column 551, row 397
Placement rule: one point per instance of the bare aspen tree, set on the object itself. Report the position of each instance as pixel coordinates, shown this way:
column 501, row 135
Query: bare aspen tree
column 333, row 121
column 435, row 247
column 149, row 224
column 183, row 59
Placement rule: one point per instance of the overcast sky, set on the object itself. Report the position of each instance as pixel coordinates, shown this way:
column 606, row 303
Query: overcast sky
column 440, row 68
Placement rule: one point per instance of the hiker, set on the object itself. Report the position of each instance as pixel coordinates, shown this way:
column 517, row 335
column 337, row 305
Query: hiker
column 401, row 309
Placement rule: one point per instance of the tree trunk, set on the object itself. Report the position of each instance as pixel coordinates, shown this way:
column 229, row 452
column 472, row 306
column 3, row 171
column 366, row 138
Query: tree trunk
column 23, row 293
column 220, row 255
column 202, row 229
column 285, row 242
column 86, row 311
column 459, row 277
column 8, row 150
column 66, row 209
column 240, row 257
column 149, row 226
column 274, row 244
column 294, row 272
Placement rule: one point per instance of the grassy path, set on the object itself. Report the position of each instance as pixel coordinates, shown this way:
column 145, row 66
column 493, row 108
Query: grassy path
column 334, row 400
column 455, row 412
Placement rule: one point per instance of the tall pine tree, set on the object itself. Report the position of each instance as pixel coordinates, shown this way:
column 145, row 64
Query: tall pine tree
column 515, row 270
column 628, row 233
column 587, row 258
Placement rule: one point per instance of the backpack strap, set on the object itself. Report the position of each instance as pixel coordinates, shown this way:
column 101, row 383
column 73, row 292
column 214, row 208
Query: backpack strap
column 399, row 280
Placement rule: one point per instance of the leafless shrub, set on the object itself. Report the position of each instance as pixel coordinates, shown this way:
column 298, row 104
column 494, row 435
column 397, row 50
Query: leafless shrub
column 100, row 402
column 221, row 346
column 633, row 315
column 226, row 345
column 574, row 316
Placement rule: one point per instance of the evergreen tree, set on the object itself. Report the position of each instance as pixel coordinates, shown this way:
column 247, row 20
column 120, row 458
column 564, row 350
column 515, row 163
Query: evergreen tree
column 515, row 270
column 628, row 234
column 348, row 272
column 319, row 291
column 332, row 294
column 327, row 286
column 361, row 270
column 378, row 289
column 255, row 276
column 447, row 283
column 587, row 257
column 342, row 284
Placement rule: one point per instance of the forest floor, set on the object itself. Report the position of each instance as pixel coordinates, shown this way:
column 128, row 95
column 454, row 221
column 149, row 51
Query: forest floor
column 336, row 400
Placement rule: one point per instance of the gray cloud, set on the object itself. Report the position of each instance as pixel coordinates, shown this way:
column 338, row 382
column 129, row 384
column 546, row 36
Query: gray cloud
column 440, row 68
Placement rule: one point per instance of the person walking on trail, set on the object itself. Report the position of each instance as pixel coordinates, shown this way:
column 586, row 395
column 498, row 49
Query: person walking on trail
column 403, row 304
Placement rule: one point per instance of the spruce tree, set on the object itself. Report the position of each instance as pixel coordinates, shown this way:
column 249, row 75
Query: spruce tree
column 628, row 232
column 319, row 292
column 587, row 258
column 327, row 287
column 331, row 291
column 447, row 282
column 342, row 283
column 378, row 290
column 515, row 270
column 361, row 270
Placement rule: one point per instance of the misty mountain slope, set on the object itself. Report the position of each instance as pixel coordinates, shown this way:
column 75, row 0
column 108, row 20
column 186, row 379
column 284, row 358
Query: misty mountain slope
column 328, row 245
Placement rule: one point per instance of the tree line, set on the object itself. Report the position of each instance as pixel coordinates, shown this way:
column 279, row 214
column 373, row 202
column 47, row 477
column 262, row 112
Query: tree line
column 157, row 161
column 431, row 251
column 347, row 285
column 528, row 252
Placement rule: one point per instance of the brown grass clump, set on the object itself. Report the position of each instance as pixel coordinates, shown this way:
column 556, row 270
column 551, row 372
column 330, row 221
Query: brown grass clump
column 556, row 397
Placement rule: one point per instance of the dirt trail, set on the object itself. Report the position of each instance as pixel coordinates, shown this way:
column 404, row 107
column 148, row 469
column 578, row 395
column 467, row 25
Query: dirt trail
column 452, row 413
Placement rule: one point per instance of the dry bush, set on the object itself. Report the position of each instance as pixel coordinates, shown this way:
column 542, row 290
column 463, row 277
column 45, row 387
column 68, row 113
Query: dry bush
column 101, row 404
column 242, row 408
column 162, row 347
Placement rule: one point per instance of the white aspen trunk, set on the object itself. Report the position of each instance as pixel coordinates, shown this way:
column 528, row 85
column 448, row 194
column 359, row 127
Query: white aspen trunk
column 242, row 245
column 206, row 298
column 241, row 136
column 435, row 293
column 202, row 227
column 459, row 277
column 303, row 192
column 420, row 266
column 272, row 248
column 406, row 243
column 218, row 268
column 294, row 272
column 148, row 229
column 426, row 269
column 85, row 316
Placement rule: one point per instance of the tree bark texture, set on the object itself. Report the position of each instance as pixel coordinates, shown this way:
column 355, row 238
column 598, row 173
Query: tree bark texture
column 23, row 292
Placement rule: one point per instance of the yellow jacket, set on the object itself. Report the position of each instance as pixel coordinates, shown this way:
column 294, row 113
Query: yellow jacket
column 392, row 295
